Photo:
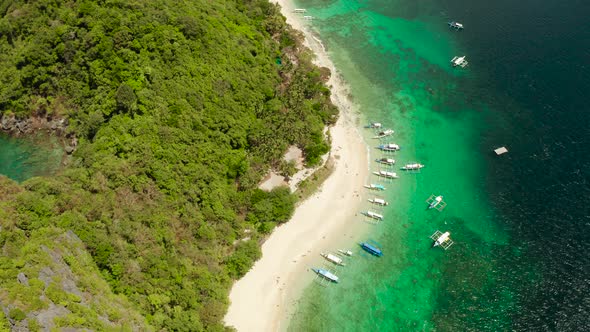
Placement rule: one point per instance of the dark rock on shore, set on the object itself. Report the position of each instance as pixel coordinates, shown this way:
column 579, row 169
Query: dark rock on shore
column 15, row 126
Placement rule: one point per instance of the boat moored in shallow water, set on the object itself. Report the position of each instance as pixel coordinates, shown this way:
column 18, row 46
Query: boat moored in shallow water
column 326, row 274
column 412, row 167
column 378, row 201
column 384, row 133
column 371, row 249
column 386, row 161
column 373, row 215
column 389, row 147
column 374, row 186
column 345, row 252
column 386, row 174
column 375, row 125
column 333, row 258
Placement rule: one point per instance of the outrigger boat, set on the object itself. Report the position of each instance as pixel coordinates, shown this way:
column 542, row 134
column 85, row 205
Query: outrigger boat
column 371, row 249
column 373, row 215
column 386, row 174
column 374, row 125
column 326, row 274
column 389, row 147
column 436, row 202
column 412, row 167
column 459, row 61
column 333, row 258
column 386, row 161
column 300, row 10
column 442, row 239
column 378, row 201
column 456, row 25
column 373, row 186
column 384, row 133
column 345, row 252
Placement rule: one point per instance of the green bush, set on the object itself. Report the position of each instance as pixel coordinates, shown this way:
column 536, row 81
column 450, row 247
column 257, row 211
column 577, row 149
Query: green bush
column 17, row 314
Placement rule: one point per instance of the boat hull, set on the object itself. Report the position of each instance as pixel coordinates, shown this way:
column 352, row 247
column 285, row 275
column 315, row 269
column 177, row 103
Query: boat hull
column 371, row 249
column 326, row 275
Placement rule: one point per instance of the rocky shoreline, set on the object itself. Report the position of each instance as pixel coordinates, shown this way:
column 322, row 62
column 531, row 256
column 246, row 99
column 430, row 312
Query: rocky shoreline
column 17, row 127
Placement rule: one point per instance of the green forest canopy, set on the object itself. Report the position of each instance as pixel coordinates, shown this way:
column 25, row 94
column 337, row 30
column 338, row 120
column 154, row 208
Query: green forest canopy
column 179, row 107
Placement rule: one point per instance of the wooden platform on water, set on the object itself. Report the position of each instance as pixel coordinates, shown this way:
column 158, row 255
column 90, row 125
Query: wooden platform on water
column 501, row 150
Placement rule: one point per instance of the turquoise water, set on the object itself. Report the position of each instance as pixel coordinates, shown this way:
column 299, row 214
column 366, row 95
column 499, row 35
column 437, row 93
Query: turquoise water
column 395, row 56
column 23, row 158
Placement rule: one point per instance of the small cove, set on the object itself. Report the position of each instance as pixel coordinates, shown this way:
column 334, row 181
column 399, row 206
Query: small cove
column 22, row 158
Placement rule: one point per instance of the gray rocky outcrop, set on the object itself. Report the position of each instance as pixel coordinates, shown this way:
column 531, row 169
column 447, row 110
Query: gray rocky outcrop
column 22, row 278
column 16, row 126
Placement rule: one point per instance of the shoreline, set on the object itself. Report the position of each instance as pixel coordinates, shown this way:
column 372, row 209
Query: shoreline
column 264, row 298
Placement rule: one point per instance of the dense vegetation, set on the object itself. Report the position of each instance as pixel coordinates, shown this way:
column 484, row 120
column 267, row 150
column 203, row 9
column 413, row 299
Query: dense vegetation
column 179, row 107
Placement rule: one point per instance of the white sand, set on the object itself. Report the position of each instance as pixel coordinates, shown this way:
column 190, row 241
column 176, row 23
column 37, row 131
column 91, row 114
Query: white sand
column 273, row 180
column 264, row 297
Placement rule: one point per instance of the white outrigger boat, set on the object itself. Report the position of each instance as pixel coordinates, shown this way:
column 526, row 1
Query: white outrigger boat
column 442, row 239
column 378, row 201
column 386, row 161
column 386, row 174
column 345, row 252
column 384, row 133
column 459, row 61
column 456, row 25
column 374, row 186
column 373, row 215
column 333, row 258
column 389, row 147
column 374, row 125
column 412, row 167
column 436, row 202
column 326, row 274
column 300, row 10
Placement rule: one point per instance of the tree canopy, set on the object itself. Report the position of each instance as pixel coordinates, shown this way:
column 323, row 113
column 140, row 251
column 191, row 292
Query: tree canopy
column 179, row 108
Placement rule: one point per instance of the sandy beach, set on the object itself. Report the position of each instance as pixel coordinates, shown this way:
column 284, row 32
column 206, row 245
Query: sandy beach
column 263, row 298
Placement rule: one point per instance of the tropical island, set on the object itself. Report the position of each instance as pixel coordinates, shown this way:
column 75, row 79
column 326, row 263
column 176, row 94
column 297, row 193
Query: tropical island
column 175, row 112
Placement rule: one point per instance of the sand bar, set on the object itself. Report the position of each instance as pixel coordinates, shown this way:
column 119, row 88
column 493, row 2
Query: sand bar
column 262, row 299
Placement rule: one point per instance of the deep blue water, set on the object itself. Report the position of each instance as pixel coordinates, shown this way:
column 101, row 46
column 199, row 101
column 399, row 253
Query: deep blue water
column 533, row 62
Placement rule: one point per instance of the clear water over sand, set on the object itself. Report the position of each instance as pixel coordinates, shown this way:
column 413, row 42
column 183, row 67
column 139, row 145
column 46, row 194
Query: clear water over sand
column 23, row 158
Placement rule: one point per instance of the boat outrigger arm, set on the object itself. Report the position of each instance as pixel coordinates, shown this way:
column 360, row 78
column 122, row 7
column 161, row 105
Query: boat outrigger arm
column 436, row 202
column 326, row 274
column 442, row 240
